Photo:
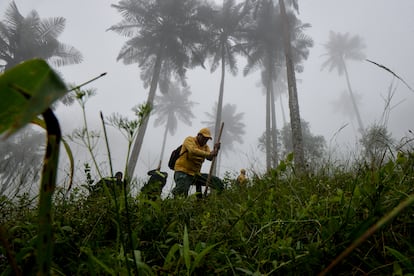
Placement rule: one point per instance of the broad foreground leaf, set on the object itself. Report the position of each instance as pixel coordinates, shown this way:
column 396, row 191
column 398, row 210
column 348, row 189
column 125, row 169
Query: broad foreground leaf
column 26, row 91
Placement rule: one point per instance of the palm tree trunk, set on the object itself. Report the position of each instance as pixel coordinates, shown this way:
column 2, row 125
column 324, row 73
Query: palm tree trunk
column 268, row 133
column 143, row 127
column 283, row 109
column 220, row 102
column 351, row 94
column 273, row 137
column 297, row 138
column 275, row 157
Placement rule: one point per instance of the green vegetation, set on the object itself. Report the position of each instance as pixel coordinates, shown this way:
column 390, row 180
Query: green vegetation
column 280, row 224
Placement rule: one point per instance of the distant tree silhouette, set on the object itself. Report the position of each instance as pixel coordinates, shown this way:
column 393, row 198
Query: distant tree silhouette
column 377, row 144
column 273, row 128
column 161, row 33
column 279, row 87
column 314, row 145
column 265, row 46
column 171, row 107
column 339, row 49
column 343, row 104
column 23, row 38
column 20, row 162
column 233, row 129
column 224, row 44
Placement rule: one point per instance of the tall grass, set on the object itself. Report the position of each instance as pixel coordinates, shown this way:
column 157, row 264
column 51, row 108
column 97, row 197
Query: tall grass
column 281, row 224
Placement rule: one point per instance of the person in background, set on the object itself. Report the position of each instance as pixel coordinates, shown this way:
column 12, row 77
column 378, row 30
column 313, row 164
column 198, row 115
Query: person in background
column 153, row 188
column 193, row 153
column 114, row 184
column 118, row 178
column 241, row 179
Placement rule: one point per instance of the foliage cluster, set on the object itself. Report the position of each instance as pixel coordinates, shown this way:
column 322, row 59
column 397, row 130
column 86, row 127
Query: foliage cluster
column 280, row 224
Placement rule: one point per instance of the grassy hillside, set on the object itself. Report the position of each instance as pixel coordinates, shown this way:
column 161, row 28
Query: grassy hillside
column 359, row 220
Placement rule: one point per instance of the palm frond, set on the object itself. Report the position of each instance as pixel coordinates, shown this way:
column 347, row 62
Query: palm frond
column 66, row 55
column 51, row 27
column 12, row 16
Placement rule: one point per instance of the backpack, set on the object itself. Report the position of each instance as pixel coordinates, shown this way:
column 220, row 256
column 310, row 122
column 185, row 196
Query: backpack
column 175, row 154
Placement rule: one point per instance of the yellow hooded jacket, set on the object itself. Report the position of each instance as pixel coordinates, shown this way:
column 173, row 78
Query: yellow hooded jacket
column 192, row 156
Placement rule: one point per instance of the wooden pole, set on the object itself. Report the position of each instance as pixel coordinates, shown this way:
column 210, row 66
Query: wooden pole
column 213, row 161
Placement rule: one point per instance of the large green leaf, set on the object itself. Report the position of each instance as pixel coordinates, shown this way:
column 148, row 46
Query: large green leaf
column 26, row 91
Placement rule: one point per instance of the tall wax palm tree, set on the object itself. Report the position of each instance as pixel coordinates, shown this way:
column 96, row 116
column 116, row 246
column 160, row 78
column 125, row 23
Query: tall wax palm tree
column 262, row 46
column 23, row 38
column 295, row 120
column 296, row 49
column 225, row 33
column 171, row 107
column 161, row 33
column 340, row 48
column 288, row 38
column 234, row 128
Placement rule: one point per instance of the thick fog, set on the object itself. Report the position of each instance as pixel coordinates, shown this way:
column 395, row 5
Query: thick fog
column 386, row 27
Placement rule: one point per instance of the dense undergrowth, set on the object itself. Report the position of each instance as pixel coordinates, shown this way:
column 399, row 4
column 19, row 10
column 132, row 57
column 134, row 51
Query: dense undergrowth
column 281, row 224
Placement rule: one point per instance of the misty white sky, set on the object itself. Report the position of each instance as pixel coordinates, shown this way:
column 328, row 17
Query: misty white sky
column 387, row 28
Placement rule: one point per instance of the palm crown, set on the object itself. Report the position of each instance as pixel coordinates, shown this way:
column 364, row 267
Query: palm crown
column 226, row 30
column 172, row 29
column 174, row 106
column 341, row 47
column 23, row 38
column 234, row 127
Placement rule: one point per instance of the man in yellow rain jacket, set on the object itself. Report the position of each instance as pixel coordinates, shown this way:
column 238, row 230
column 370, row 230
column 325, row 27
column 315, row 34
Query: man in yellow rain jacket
column 193, row 153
